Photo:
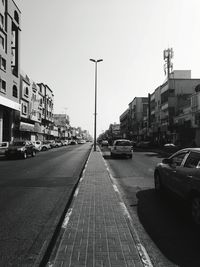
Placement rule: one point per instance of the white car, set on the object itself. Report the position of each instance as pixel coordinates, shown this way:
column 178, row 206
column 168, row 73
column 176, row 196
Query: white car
column 3, row 147
column 64, row 142
column 46, row 145
column 37, row 144
column 122, row 147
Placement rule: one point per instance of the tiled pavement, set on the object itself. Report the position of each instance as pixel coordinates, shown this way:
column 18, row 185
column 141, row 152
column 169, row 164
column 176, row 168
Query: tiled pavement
column 97, row 232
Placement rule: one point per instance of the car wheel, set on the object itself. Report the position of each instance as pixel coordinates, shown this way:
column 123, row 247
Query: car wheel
column 157, row 182
column 195, row 209
column 44, row 148
column 25, row 155
column 33, row 153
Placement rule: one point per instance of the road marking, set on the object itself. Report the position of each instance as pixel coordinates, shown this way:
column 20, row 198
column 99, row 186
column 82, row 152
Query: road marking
column 144, row 256
column 76, row 192
column 115, row 188
column 66, row 220
column 124, row 209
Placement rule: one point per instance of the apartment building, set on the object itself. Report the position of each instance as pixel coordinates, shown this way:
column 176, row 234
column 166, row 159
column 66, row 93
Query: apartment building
column 62, row 122
column 175, row 96
column 138, row 118
column 47, row 104
column 124, row 124
column 170, row 114
column 31, row 101
column 154, row 115
column 10, row 16
column 195, row 114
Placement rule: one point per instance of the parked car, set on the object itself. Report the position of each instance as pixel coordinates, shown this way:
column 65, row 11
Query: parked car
column 180, row 174
column 21, row 149
column 46, row 145
column 3, row 147
column 81, row 141
column 37, row 144
column 58, row 143
column 104, row 143
column 121, row 147
column 52, row 143
column 64, row 142
column 72, row 142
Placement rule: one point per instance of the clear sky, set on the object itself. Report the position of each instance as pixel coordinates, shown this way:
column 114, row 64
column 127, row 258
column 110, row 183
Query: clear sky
column 59, row 37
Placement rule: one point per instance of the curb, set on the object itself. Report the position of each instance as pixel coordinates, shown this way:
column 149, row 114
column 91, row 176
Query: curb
column 145, row 259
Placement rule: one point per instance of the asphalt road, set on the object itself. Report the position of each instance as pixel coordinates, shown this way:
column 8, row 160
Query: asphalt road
column 162, row 223
column 33, row 195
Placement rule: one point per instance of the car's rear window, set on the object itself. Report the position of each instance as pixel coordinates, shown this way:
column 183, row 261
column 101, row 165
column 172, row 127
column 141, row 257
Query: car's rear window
column 123, row 143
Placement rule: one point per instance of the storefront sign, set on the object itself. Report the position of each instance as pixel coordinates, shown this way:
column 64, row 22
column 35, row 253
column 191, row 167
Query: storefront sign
column 26, row 127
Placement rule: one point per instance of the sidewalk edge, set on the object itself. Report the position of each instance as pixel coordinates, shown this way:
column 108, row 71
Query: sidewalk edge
column 146, row 261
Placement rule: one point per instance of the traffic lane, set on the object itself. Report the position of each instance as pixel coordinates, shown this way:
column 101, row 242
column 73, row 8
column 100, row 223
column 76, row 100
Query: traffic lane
column 32, row 202
column 166, row 219
column 135, row 172
column 58, row 162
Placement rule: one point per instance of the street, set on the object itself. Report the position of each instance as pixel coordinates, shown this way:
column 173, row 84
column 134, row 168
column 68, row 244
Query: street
column 35, row 193
column 33, row 196
column 163, row 223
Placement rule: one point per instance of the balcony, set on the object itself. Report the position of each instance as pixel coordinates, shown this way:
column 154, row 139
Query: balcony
column 165, row 106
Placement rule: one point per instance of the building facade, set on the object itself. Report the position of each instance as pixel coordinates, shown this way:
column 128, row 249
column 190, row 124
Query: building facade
column 169, row 114
column 62, row 123
column 47, row 105
column 10, row 17
column 124, row 124
column 138, row 118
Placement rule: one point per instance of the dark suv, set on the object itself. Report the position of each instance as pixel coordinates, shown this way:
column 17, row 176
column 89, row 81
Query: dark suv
column 180, row 173
column 21, row 149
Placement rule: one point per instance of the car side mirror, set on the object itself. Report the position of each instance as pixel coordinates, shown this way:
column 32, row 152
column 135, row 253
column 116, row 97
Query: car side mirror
column 167, row 161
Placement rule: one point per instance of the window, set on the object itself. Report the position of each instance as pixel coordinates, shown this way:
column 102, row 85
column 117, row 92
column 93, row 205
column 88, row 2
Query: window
column 33, row 97
column 3, row 86
column 192, row 160
column 15, row 92
column 1, row 21
column 2, row 63
column 178, row 158
column 24, row 109
column 26, row 91
column 2, row 42
column 16, row 16
column 123, row 143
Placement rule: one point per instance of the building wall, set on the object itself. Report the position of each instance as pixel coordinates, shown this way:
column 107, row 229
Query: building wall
column 9, row 68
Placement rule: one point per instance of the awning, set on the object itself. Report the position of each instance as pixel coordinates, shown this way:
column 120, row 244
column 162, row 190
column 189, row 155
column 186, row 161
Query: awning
column 9, row 103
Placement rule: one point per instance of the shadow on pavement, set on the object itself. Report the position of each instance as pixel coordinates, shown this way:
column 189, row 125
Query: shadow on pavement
column 107, row 157
column 2, row 158
column 167, row 221
column 155, row 152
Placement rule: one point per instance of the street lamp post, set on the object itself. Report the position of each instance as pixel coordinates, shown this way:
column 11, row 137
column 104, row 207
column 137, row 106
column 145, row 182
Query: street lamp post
column 95, row 102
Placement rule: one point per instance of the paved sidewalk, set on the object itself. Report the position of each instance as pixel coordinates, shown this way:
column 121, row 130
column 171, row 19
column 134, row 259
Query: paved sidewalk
column 97, row 232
